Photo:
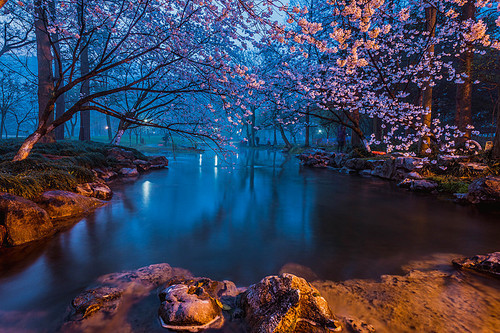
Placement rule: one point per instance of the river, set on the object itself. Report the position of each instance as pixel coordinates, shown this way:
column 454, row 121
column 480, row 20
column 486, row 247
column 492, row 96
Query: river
column 239, row 222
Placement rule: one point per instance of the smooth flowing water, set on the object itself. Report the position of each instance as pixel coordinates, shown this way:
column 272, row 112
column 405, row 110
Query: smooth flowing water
column 240, row 223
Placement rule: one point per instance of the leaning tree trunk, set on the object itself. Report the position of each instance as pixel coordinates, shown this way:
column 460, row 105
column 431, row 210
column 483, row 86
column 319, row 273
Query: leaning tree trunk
column 45, row 74
column 463, row 115
column 283, row 136
column 430, row 17
column 84, row 69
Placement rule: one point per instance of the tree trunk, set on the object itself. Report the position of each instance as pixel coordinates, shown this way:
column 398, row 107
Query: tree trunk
column 463, row 115
column 61, row 101
column 355, row 138
column 283, row 136
column 45, row 74
column 2, row 2
column 84, row 70
column 430, row 18
column 108, row 125
column 2, row 123
column 252, row 129
column 275, row 139
column 307, row 143
column 27, row 145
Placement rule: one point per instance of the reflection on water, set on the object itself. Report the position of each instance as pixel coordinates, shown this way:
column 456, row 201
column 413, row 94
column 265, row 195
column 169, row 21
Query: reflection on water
column 240, row 223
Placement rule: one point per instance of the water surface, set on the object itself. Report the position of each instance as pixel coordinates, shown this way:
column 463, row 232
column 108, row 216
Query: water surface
column 241, row 223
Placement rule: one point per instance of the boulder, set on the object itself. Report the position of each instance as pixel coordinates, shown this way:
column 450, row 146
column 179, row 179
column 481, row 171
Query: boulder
column 129, row 172
column 63, row 204
column 386, row 170
column 188, row 308
column 484, row 190
column 315, row 158
column 339, row 160
column 120, row 154
column 23, row 221
column 489, row 263
column 93, row 300
column 407, row 163
column 95, row 190
column 158, row 162
column 406, row 183
column 422, row 185
column 357, row 164
column 357, row 326
column 413, row 175
column 287, row 303
column 196, row 304
column 105, row 174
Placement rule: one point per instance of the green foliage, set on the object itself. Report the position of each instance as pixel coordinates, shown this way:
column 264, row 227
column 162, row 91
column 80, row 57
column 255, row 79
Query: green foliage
column 451, row 184
column 52, row 166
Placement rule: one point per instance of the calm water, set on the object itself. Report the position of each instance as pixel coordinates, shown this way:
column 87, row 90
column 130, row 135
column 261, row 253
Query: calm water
column 239, row 223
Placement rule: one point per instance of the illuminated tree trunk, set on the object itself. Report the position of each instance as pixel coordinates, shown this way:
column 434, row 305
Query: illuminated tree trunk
column 84, row 70
column 2, row 2
column 61, row 101
column 430, row 18
column 463, row 115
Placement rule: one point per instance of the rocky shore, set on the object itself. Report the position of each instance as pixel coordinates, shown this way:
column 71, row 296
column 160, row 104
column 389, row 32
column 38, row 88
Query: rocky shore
column 417, row 174
column 23, row 220
column 432, row 296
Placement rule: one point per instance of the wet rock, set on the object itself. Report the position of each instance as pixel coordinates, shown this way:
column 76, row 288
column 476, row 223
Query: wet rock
column 287, row 303
column 489, row 263
column 347, row 171
column 149, row 276
column 95, row 190
column 158, row 162
column 129, row 172
column 315, row 158
column 189, row 308
column 63, row 204
column 407, row 163
column 105, row 174
column 357, row 164
column 23, row 220
column 120, row 154
column 406, row 183
column 422, row 185
column 366, row 172
column 339, row 160
column 484, row 190
column 354, row 325
column 93, row 300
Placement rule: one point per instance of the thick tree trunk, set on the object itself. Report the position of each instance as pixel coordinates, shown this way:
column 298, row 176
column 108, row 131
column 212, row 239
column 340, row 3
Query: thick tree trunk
column 252, row 129
column 430, row 16
column 45, row 74
column 61, row 100
column 355, row 138
column 118, row 137
column 463, row 115
column 84, row 70
column 283, row 136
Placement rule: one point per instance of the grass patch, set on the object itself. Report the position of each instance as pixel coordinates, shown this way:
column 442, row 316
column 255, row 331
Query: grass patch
column 451, row 184
column 41, row 172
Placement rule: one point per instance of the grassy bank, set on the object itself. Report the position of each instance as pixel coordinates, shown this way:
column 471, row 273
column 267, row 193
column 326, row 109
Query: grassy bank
column 55, row 166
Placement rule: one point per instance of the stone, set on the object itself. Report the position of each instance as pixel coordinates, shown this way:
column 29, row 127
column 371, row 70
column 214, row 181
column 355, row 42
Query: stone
column 189, row 308
column 158, row 162
column 339, row 160
column 413, row 175
column 406, row 183
column 315, row 158
column 386, row 170
column 105, row 174
column 357, row 164
column 407, row 163
column 366, row 172
column 489, row 263
column 95, row 190
column 423, row 185
column 129, row 172
column 484, row 190
column 287, row 303
column 93, row 300
column 23, row 220
column 63, row 204
column 120, row 154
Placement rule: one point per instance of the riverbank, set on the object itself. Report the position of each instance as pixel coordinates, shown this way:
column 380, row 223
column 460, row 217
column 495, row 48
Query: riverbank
column 469, row 179
column 58, row 183
column 431, row 296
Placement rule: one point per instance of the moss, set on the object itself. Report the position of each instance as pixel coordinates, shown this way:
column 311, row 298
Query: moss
column 41, row 171
column 451, row 184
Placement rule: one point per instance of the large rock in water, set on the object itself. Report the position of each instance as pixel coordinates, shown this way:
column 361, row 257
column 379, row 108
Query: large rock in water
column 195, row 304
column 489, row 263
column 287, row 303
column 63, row 204
column 484, row 190
column 23, row 220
